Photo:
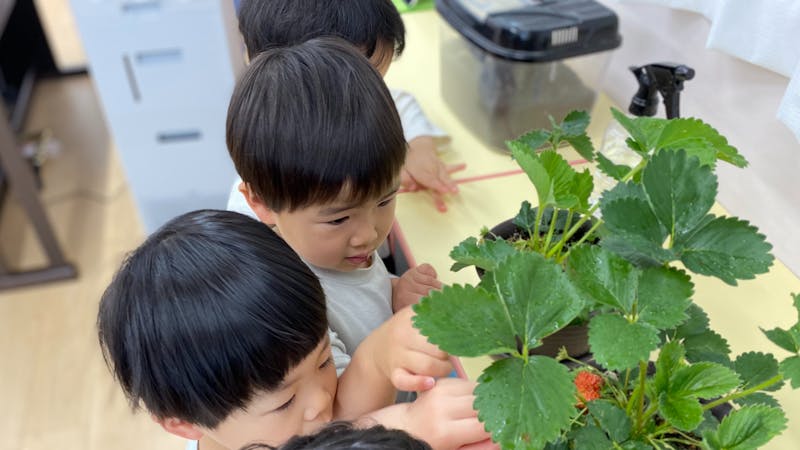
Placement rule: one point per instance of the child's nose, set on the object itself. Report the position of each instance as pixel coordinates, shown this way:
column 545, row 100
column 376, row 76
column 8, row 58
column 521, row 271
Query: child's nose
column 366, row 234
column 320, row 407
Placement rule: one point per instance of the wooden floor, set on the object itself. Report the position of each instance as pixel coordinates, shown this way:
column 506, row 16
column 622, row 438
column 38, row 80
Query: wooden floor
column 55, row 391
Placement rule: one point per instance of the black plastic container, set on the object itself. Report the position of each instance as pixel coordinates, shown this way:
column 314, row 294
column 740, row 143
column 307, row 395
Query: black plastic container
column 508, row 64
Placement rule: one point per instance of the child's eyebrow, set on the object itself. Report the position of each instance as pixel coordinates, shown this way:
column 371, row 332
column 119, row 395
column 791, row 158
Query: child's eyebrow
column 333, row 210
column 288, row 382
column 336, row 209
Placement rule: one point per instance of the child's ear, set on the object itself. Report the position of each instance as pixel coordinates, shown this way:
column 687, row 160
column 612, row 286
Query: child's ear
column 255, row 203
column 180, row 428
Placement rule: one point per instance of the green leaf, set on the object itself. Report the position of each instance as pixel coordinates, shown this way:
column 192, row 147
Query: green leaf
column 663, row 296
column 755, row 368
column 790, row 368
column 635, row 230
column 703, row 380
column 465, row 321
column 562, row 176
column 612, row 419
column 789, row 339
column 636, row 445
column 530, row 141
column 559, row 444
column 536, row 295
column 694, row 147
column 758, row 398
column 532, row 165
column 618, row 344
column 590, row 437
column 726, row 248
column 681, row 192
column 608, row 167
column 783, row 339
column 707, row 346
column 747, row 428
column 603, row 276
column 623, row 191
column 582, row 187
column 525, row 405
column 526, row 217
column 575, row 123
column 678, row 131
column 644, row 131
column 583, row 145
column 683, row 412
column 697, row 322
column 709, row 423
column 669, row 360
column 486, row 254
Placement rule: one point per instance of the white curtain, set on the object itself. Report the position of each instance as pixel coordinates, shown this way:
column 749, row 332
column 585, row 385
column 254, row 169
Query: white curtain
column 763, row 32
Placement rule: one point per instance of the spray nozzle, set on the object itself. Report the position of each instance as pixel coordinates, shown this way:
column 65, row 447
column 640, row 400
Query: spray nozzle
column 659, row 78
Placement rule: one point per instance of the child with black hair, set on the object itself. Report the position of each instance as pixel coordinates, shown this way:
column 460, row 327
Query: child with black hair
column 376, row 29
column 313, row 133
column 218, row 328
column 344, row 436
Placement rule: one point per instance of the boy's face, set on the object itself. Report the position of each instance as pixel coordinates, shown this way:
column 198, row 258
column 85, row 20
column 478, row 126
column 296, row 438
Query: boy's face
column 338, row 235
column 301, row 405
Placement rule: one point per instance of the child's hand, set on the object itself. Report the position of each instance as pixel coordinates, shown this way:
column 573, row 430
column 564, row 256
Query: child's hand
column 424, row 170
column 406, row 357
column 444, row 417
column 413, row 285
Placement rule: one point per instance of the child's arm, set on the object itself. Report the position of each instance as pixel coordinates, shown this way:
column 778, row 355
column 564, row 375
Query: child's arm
column 423, row 168
column 442, row 416
column 394, row 356
column 413, row 285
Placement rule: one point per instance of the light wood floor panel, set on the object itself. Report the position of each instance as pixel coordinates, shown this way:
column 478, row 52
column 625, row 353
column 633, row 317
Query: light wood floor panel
column 54, row 387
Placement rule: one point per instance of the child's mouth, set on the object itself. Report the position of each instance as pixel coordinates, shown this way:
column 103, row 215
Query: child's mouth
column 358, row 260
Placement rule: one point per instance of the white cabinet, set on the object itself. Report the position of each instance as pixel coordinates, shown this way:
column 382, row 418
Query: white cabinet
column 164, row 71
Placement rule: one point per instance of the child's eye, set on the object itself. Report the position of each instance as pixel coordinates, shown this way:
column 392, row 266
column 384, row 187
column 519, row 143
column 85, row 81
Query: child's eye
column 385, row 202
column 338, row 221
column 326, row 363
column 284, row 406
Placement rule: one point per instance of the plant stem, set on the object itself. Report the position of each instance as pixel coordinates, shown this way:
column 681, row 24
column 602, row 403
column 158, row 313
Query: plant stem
column 550, row 230
column 535, row 236
column 574, row 229
column 777, row 378
column 582, row 239
column 640, row 406
column 634, row 171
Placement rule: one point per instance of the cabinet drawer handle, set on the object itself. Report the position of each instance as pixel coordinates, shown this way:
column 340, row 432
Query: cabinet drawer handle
column 134, row 6
column 159, row 56
column 172, row 137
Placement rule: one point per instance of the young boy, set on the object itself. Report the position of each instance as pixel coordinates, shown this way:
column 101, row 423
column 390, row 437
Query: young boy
column 344, row 436
column 316, row 139
column 376, row 28
column 219, row 329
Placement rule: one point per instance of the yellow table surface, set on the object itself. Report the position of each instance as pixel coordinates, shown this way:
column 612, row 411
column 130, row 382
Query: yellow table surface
column 735, row 312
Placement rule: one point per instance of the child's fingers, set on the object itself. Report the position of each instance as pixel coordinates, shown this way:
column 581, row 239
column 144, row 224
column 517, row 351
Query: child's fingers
column 452, row 168
column 433, row 365
column 485, row 444
column 438, row 201
column 427, row 269
column 469, row 430
column 406, row 381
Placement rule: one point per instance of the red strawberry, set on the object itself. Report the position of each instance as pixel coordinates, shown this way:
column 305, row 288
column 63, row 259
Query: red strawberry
column 589, row 385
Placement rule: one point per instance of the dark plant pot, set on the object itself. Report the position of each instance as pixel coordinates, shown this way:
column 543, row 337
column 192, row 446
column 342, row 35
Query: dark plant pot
column 575, row 338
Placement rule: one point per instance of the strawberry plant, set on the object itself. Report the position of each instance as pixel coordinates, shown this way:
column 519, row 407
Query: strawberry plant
column 622, row 275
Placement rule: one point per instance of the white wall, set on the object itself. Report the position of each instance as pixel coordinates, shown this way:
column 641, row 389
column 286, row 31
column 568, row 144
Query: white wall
column 738, row 98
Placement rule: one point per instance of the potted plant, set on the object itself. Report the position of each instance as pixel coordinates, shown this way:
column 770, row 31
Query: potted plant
column 562, row 220
column 637, row 301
